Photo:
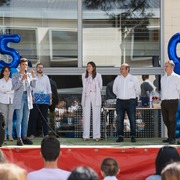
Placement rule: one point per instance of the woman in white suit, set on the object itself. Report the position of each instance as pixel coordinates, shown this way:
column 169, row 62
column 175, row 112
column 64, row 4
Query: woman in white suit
column 91, row 97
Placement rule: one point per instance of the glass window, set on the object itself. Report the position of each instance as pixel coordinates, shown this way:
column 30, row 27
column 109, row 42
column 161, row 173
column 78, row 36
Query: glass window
column 27, row 47
column 48, row 30
column 115, row 32
column 64, row 48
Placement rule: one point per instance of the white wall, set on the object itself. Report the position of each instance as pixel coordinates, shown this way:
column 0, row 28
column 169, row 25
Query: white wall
column 171, row 22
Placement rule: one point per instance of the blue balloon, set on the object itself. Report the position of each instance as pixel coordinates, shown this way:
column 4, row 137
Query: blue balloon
column 177, row 133
column 178, row 124
column 172, row 46
column 178, row 110
column 177, row 115
column 175, row 39
column 4, row 49
column 177, row 68
column 13, row 70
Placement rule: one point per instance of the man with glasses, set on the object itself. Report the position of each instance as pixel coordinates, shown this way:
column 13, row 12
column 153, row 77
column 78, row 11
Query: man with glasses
column 42, row 96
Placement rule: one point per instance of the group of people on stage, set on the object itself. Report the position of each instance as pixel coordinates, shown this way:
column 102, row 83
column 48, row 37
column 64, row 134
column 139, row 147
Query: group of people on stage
column 127, row 89
column 17, row 95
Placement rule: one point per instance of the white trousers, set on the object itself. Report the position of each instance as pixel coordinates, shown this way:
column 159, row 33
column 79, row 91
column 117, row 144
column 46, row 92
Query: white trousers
column 96, row 117
column 7, row 110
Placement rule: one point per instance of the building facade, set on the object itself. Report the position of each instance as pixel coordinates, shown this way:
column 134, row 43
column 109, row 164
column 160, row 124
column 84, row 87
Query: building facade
column 66, row 34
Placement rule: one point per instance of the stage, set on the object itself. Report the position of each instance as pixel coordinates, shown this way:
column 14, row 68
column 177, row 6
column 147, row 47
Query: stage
column 136, row 160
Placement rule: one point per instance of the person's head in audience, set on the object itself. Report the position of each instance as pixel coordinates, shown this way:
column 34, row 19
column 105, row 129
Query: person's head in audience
column 50, row 149
column 171, row 172
column 109, row 167
column 166, row 155
column 2, row 157
column 83, row 173
column 50, row 152
column 144, row 77
column 61, row 104
column 10, row 171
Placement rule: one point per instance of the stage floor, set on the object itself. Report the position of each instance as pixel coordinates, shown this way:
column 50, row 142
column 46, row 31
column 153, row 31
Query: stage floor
column 136, row 160
column 110, row 142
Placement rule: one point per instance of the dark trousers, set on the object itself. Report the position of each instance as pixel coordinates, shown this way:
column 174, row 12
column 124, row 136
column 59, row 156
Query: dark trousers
column 129, row 107
column 169, row 109
column 39, row 113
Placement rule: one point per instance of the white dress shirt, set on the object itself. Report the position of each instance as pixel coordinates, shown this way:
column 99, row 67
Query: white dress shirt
column 170, row 87
column 126, row 87
column 110, row 178
column 42, row 85
column 6, row 92
column 48, row 173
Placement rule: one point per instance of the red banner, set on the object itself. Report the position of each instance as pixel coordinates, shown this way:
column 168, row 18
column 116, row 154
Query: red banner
column 135, row 163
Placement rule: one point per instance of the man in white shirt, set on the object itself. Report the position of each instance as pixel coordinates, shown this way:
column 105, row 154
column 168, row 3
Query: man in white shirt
column 50, row 151
column 126, row 88
column 170, row 89
column 41, row 92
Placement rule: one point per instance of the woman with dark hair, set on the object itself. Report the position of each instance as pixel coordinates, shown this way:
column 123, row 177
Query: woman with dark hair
column 6, row 100
column 166, row 155
column 91, row 97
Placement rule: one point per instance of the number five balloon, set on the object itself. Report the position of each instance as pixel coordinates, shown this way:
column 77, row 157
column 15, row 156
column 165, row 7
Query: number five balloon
column 6, row 50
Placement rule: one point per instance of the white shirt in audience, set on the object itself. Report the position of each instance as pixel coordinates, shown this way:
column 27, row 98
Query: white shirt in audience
column 48, row 174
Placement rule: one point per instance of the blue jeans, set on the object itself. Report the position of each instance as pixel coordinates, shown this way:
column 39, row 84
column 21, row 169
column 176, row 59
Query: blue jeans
column 129, row 107
column 22, row 117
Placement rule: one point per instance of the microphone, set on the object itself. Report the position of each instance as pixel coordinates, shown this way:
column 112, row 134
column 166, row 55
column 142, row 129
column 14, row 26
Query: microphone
column 25, row 71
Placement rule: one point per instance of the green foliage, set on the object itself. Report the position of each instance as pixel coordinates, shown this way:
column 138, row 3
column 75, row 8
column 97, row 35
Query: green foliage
column 4, row 2
column 132, row 16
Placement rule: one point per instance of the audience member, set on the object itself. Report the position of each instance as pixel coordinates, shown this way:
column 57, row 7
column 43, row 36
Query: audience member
column 10, row 171
column 42, row 99
column 109, row 90
column 6, row 100
column 109, row 169
column 2, row 157
column 110, row 96
column 60, row 110
column 83, row 173
column 22, row 83
column 54, row 95
column 126, row 87
column 171, row 172
column 50, row 151
column 166, row 155
column 91, row 97
column 54, row 102
column 147, row 88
